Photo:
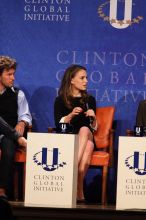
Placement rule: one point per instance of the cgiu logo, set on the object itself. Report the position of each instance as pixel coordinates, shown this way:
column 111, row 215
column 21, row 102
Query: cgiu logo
column 63, row 127
column 137, row 162
column 48, row 159
column 112, row 14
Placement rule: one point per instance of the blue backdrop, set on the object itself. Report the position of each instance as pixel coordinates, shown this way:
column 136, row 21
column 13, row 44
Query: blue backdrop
column 46, row 36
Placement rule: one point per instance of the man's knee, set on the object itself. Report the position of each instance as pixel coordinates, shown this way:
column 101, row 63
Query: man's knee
column 8, row 148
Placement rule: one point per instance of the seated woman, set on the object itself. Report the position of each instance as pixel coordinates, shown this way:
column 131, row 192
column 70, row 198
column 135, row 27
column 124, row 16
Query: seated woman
column 76, row 107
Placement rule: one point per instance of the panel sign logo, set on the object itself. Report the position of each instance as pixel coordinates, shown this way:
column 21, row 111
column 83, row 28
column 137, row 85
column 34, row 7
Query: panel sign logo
column 137, row 162
column 48, row 159
column 111, row 16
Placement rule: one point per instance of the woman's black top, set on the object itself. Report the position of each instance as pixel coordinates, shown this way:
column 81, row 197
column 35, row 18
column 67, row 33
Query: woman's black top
column 78, row 121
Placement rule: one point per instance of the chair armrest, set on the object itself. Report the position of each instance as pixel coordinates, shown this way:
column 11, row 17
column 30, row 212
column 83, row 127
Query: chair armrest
column 51, row 130
column 129, row 132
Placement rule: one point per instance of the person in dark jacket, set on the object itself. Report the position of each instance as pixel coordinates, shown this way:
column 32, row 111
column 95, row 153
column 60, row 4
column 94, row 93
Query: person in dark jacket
column 15, row 111
column 11, row 133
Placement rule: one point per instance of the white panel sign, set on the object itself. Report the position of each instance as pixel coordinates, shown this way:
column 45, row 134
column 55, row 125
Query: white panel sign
column 131, row 181
column 51, row 170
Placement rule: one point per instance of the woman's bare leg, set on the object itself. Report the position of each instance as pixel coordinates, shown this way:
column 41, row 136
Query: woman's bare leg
column 86, row 147
column 84, row 135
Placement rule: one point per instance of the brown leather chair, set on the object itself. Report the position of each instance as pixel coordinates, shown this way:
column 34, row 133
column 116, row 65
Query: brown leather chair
column 103, row 155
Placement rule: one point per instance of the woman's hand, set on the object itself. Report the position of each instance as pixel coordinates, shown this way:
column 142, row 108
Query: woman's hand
column 75, row 111
column 90, row 113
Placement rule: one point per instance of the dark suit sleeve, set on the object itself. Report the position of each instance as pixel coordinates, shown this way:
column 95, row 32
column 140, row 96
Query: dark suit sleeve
column 6, row 130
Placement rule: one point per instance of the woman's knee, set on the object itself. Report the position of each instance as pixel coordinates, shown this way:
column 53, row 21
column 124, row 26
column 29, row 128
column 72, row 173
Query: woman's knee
column 85, row 131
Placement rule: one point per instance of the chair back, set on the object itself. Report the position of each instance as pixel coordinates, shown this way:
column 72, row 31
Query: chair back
column 104, row 116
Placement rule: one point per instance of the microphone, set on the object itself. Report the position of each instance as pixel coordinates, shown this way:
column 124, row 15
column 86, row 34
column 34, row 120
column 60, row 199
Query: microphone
column 91, row 119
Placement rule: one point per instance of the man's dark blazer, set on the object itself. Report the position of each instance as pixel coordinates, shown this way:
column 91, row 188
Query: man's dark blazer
column 8, row 131
column 141, row 114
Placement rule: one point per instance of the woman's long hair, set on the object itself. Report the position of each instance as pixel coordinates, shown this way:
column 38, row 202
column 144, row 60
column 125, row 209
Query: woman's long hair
column 65, row 88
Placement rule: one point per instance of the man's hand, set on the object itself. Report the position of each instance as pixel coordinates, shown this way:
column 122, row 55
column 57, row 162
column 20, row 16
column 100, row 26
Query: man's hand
column 22, row 141
column 20, row 127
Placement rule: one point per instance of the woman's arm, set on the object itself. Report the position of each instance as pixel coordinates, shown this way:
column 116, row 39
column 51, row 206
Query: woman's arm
column 62, row 113
column 59, row 110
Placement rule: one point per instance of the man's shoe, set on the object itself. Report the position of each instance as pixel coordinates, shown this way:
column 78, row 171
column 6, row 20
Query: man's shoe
column 4, row 197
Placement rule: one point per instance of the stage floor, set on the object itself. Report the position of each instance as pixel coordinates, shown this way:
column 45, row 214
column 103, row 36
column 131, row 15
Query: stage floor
column 80, row 212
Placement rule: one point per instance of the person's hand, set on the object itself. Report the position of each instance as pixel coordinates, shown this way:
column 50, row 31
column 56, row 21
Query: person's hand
column 20, row 127
column 90, row 113
column 77, row 111
column 22, row 141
